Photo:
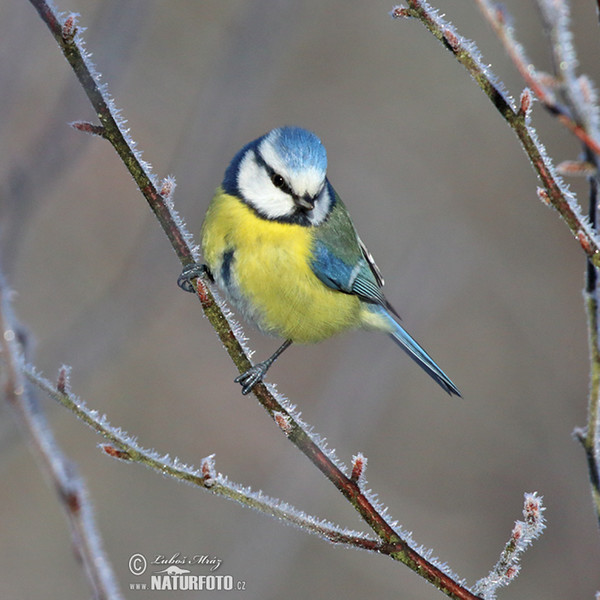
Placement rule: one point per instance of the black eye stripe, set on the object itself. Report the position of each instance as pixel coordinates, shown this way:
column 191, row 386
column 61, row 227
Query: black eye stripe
column 276, row 179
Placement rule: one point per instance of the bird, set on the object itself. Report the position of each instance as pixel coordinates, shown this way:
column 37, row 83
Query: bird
column 281, row 245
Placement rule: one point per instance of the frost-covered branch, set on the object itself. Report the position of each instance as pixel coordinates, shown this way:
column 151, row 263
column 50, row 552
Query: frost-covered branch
column 554, row 192
column 573, row 99
column 522, row 536
column 62, row 472
column 112, row 126
column 124, row 447
column 581, row 99
column 398, row 544
column 543, row 85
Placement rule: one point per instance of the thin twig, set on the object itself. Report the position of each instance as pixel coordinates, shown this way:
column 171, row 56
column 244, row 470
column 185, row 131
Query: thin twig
column 68, row 38
column 590, row 435
column 497, row 18
column 583, row 105
column 590, row 438
column 577, row 113
column 124, row 447
column 62, row 472
column 554, row 192
column 521, row 537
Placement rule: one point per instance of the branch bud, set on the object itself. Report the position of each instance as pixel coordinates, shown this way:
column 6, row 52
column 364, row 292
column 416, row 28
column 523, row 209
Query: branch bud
column 89, row 128
column 167, row 187
column 525, row 105
column 576, row 168
column 63, row 383
column 452, row 40
column 401, row 12
column 584, row 241
column 207, row 467
column 283, row 421
column 114, row 452
column 359, row 466
column 69, row 27
column 543, row 196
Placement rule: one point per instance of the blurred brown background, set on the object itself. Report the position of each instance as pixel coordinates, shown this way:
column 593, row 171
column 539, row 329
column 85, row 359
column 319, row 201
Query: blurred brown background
column 486, row 277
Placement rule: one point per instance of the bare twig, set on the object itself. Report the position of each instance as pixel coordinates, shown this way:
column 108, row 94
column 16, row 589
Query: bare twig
column 581, row 117
column 590, row 435
column 392, row 542
column 522, row 536
column 66, row 34
column 554, row 191
column 124, row 447
column 541, row 85
column 581, row 100
column 579, row 113
column 61, row 471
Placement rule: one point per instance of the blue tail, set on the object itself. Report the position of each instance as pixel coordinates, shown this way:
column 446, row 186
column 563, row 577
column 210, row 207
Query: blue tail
column 410, row 346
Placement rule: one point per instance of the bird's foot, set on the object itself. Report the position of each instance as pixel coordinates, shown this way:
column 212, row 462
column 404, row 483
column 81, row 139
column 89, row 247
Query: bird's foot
column 192, row 271
column 256, row 373
column 253, row 376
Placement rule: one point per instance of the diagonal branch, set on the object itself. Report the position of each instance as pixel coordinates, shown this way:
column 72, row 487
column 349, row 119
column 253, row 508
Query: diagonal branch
column 579, row 114
column 70, row 488
column 124, row 447
column 66, row 34
column 582, row 101
column 496, row 17
column 554, row 192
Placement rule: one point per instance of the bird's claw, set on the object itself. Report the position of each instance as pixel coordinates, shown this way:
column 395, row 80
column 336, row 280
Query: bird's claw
column 252, row 376
column 191, row 271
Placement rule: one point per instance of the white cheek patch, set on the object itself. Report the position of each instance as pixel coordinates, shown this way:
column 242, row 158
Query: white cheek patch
column 257, row 189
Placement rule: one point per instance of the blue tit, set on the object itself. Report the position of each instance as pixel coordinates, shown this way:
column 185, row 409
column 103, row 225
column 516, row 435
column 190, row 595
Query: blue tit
column 280, row 243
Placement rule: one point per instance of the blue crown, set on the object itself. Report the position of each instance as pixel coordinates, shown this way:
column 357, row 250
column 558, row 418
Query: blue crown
column 299, row 148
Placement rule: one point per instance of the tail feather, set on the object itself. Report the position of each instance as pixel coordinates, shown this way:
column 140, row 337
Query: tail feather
column 418, row 354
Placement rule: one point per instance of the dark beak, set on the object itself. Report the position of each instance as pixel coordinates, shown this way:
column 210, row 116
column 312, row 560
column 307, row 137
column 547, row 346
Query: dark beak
column 304, row 202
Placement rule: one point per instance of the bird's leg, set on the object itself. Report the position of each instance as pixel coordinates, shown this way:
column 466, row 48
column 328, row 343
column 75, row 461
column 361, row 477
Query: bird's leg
column 256, row 373
column 190, row 272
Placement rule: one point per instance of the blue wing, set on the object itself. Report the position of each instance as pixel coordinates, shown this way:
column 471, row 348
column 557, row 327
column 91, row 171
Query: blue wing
column 361, row 277
column 350, row 277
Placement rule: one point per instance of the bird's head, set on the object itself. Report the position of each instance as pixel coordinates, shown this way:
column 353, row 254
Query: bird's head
column 283, row 176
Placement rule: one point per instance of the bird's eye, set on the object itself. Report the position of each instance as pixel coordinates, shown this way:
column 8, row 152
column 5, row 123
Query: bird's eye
column 278, row 181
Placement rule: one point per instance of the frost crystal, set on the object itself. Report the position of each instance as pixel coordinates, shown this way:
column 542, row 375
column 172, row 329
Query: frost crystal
column 521, row 537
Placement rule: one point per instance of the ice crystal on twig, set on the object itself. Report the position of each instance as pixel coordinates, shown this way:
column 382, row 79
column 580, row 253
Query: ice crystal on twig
column 521, row 537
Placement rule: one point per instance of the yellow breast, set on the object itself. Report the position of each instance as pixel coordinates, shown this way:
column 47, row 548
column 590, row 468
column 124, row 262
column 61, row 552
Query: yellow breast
column 267, row 274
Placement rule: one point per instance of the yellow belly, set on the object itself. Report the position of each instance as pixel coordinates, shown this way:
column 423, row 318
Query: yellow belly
column 274, row 284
